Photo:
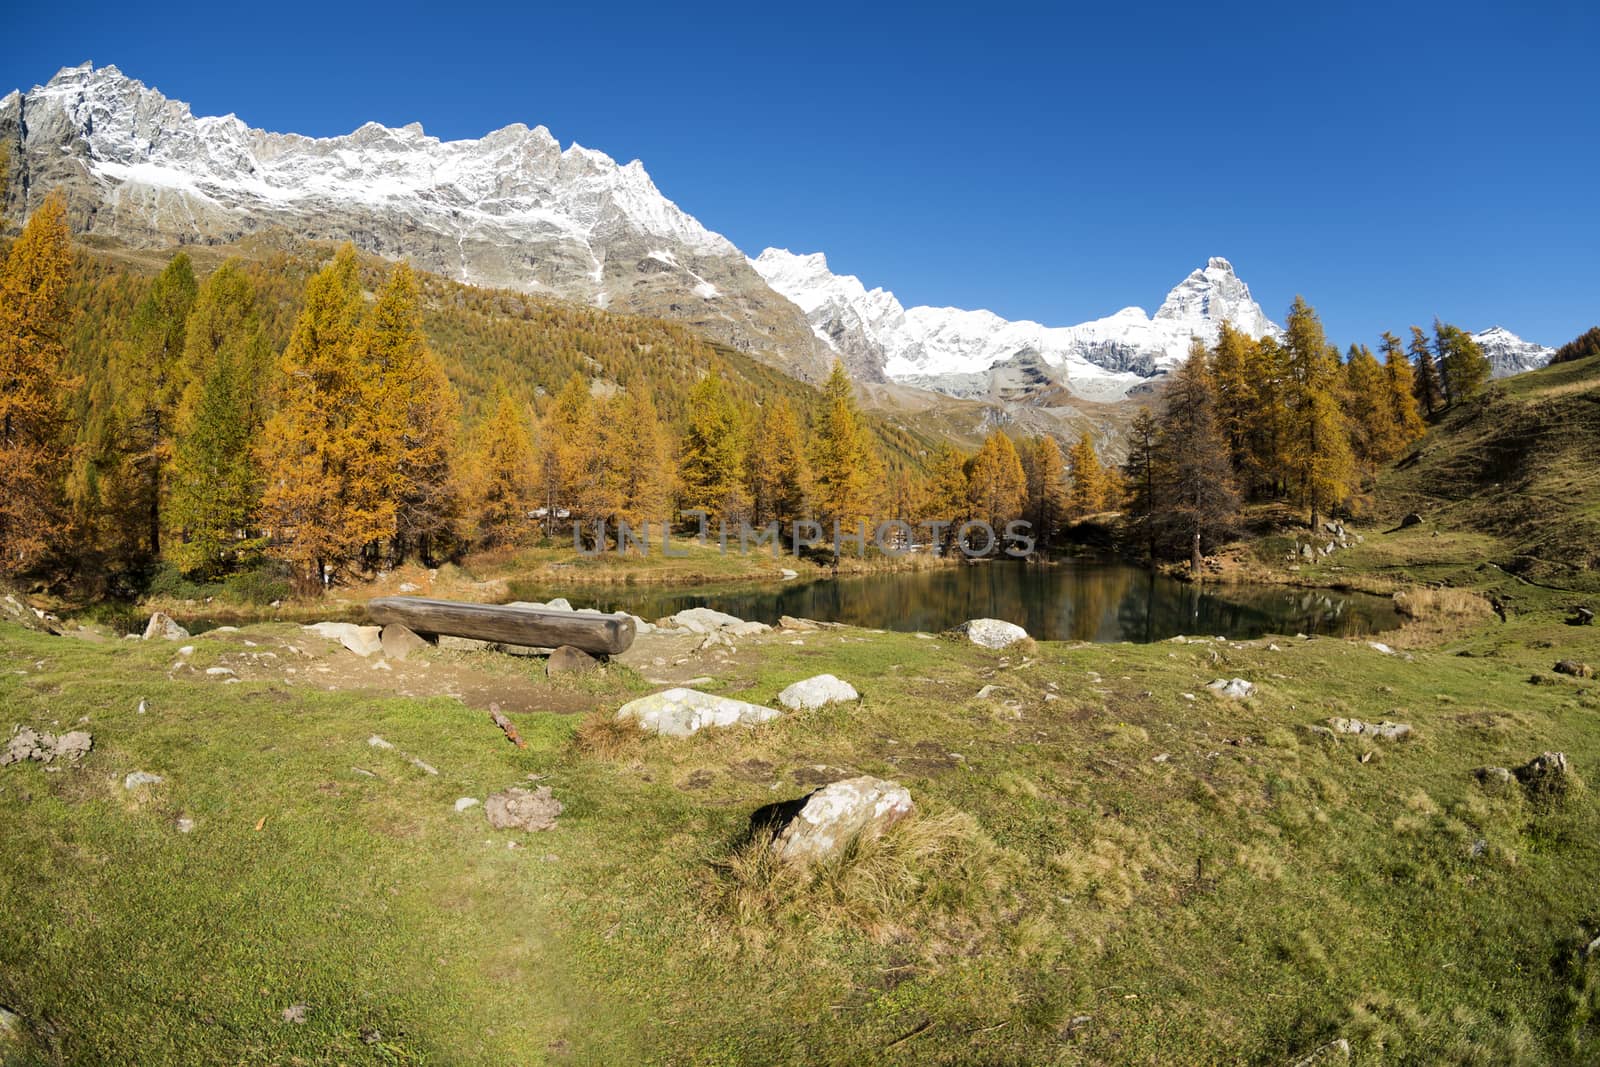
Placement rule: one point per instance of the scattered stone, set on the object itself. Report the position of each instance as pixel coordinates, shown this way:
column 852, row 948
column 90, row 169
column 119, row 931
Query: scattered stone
column 219, row 672
column 1583, row 616
column 833, row 816
column 296, row 1014
column 988, row 691
column 1321, row 733
column 681, row 712
column 518, row 809
column 362, row 640
column 569, row 660
column 702, row 620
column 1573, row 668
column 1413, row 519
column 137, row 778
column 1232, row 688
column 186, row 650
column 398, row 641
column 1546, row 775
column 786, row 574
column 184, row 824
column 1379, row 646
column 377, row 742
column 991, row 633
column 463, row 803
column 1494, row 779
column 817, row 692
column 39, row 746
column 1334, row 1052
column 164, row 627
column 1382, row 731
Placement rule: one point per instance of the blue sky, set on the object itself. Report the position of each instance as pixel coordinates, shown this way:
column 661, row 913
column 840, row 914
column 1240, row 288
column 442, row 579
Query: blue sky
column 1391, row 162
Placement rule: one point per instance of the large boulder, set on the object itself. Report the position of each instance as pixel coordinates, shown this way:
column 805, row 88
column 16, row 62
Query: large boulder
column 399, row 641
column 854, row 809
column 703, row 620
column 1381, row 731
column 519, row 809
column 817, row 692
column 1232, row 688
column 681, row 712
column 362, row 640
column 992, row 633
column 569, row 660
column 163, row 626
column 1573, row 668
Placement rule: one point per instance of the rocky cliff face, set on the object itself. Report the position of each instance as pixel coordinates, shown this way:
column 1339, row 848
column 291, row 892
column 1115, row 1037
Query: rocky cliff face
column 512, row 209
column 1509, row 354
column 953, row 350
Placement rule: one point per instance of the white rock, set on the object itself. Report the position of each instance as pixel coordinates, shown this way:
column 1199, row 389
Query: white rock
column 163, row 626
column 362, row 640
column 680, row 712
column 833, row 816
column 992, row 633
column 1379, row 646
column 817, row 692
column 185, row 824
column 463, row 803
column 703, row 620
column 377, row 742
column 1233, row 689
column 219, row 672
column 137, row 778
column 186, row 650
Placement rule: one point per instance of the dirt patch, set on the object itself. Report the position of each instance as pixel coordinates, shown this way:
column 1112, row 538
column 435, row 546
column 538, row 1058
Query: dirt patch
column 926, row 759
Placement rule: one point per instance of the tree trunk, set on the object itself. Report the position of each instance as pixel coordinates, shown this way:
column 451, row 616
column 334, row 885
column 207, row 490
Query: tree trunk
column 1194, row 554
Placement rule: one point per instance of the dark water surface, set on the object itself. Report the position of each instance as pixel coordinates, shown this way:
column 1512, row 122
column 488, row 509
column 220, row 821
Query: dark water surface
column 1078, row 600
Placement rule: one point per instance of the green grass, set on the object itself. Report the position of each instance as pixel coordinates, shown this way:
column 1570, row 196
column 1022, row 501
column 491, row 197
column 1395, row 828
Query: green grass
column 1252, row 896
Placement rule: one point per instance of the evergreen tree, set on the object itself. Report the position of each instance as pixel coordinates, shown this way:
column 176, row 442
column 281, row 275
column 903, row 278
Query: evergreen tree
column 1202, row 501
column 1463, row 367
column 944, row 497
column 642, row 457
column 778, row 470
column 506, row 469
column 1405, row 420
column 1366, row 405
column 572, row 448
column 997, row 488
column 418, row 417
column 1088, row 477
column 153, row 377
column 845, row 472
column 1318, row 446
column 1238, row 389
column 328, row 481
column 1144, row 474
column 1430, row 393
column 216, row 481
column 712, row 460
column 1267, row 425
column 1048, row 494
column 34, row 314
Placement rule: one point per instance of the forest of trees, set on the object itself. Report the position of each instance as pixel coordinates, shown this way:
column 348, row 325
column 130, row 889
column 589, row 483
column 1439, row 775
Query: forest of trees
column 301, row 412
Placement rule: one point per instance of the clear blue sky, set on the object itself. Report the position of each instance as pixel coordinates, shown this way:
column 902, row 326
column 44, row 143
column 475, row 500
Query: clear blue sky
column 1391, row 162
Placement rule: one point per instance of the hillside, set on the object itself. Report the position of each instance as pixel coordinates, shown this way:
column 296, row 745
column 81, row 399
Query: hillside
column 1517, row 464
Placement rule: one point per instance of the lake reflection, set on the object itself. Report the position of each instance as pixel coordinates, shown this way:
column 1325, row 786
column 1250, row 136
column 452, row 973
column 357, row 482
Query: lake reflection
column 1072, row 601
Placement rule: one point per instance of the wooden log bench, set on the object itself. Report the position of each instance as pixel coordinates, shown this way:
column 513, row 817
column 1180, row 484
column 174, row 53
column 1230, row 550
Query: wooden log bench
column 600, row 635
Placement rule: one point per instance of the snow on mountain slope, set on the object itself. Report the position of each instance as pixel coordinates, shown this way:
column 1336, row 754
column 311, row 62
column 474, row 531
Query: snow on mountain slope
column 1509, row 354
column 944, row 347
column 511, row 209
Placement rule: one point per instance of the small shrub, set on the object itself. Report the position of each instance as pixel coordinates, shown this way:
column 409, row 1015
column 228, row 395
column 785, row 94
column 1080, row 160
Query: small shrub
column 601, row 735
column 1425, row 604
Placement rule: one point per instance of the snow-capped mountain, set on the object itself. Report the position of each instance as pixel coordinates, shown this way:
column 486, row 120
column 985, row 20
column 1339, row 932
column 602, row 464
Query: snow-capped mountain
column 1509, row 354
column 511, row 209
column 944, row 348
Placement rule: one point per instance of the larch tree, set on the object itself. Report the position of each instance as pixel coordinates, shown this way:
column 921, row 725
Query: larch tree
column 215, row 492
column 844, row 468
column 153, row 377
column 711, row 463
column 505, row 490
column 34, row 316
column 571, row 447
column 778, row 472
column 1429, row 390
column 1366, row 406
column 1463, row 368
column 327, row 498
column 1089, row 483
column 1318, row 444
column 944, row 499
column 641, row 462
column 1144, row 475
column 1406, row 419
column 1047, row 490
column 1238, row 387
column 1266, row 427
column 997, row 488
column 1202, row 497
column 418, row 416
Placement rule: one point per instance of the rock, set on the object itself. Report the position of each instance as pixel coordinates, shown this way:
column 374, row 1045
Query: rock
column 1583, row 616
column 786, row 574
column 362, row 640
column 817, row 692
column 1318, row 732
column 1232, row 688
column 27, row 743
column 138, row 778
column 747, row 629
column 1308, row 553
column 295, row 1014
column 398, row 641
column 569, row 660
column 377, row 742
column 1574, row 668
column 219, row 672
column 992, row 633
column 681, row 712
column 1329, row 1055
column 463, row 644
column 1381, row 731
column 789, row 622
column 1379, row 646
column 987, row 691
column 184, row 824
column 833, row 816
column 463, row 803
column 164, row 627
column 1494, row 779
column 518, row 809
column 703, row 620
column 1413, row 519
column 1546, row 775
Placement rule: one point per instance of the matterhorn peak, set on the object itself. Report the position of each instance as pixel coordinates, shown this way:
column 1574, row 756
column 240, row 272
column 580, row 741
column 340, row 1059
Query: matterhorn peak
column 1218, row 263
